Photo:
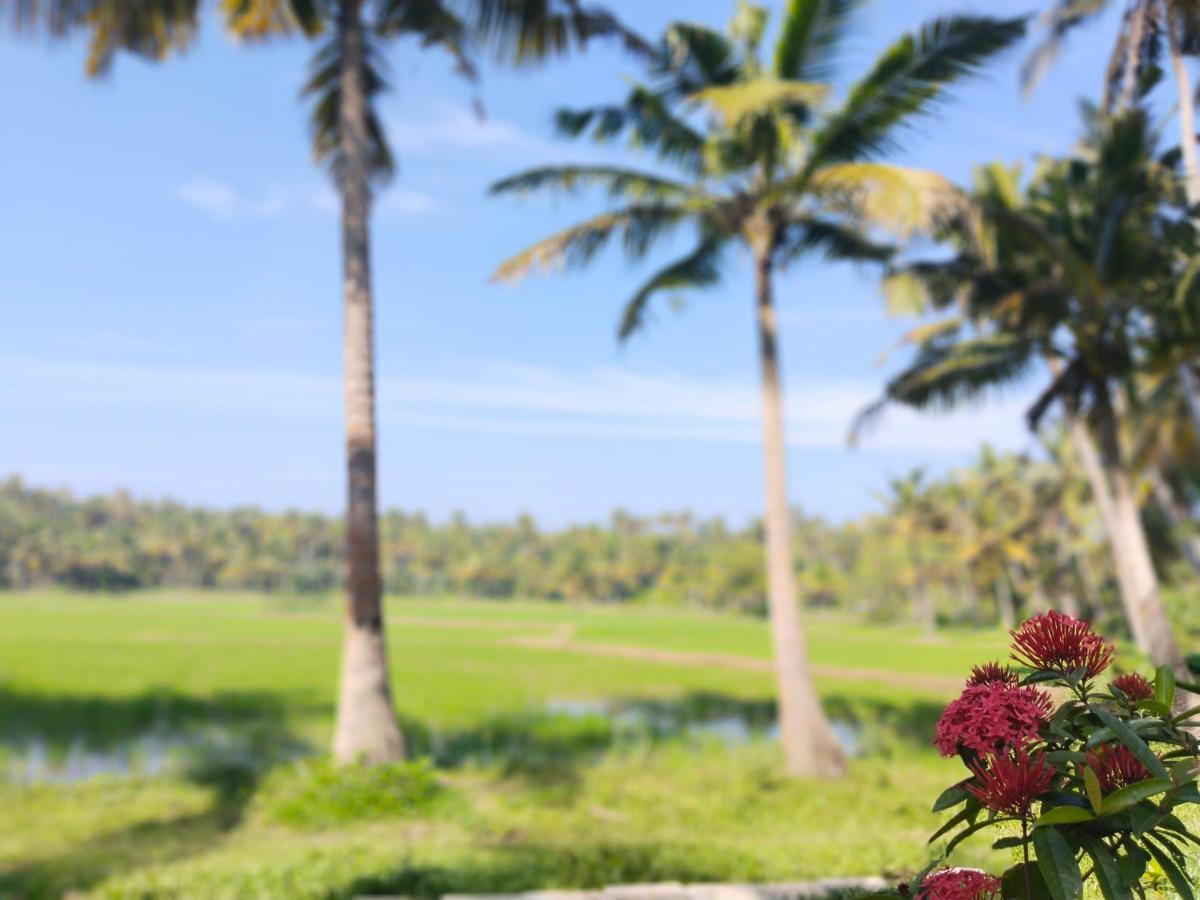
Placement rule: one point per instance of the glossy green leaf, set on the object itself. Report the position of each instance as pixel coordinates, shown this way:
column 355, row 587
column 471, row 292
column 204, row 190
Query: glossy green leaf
column 1057, row 862
column 1106, row 870
column 1024, row 881
column 1063, row 815
column 1179, row 879
column 1126, row 736
column 1134, row 793
column 1164, row 686
column 951, row 796
column 1091, row 783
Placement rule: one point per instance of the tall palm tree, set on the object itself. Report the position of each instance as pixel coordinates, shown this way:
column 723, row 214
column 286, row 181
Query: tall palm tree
column 346, row 80
column 1149, row 27
column 1076, row 268
column 777, row 168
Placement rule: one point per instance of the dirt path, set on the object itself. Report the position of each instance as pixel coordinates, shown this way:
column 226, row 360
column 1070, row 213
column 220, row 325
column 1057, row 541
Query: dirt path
column 563, row 641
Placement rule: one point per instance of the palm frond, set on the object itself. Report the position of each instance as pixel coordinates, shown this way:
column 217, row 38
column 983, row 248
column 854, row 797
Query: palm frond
column 151, row 29
column 1058, row 21
column 524, row 32
column 735, row 103
column 811, row 38
column 616, row 181
column 645, row 119
column 946, row 374
column 693, row 57
column 324, row 88
column 434, row 23
column 261, row 19
column 898, row 198
column 908, row 81
column 639, row 225
column 699, row 269
column 835, row 241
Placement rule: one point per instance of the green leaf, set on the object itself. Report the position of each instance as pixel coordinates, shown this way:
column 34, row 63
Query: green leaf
column 1185, row 715
column 1134, row 793
column 1153, row 706
column 1091, row 783
column 1126, row 736
column 966, row 833
column 1057, row 862
column 1013, row 883
column 951, row 796
column 1063, row 815
column 1164, row 686
column 958, row 819
column 1179, row 880
column 1108, row 873
column 1188, row 686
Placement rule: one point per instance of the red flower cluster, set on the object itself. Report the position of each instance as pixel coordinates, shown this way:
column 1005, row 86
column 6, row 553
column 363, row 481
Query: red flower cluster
column 1010, row 783
column 1134, row 686
column 959, row 884
column 992, row 672
column 992, row 717
column 1060, row 644
column 1116, row 766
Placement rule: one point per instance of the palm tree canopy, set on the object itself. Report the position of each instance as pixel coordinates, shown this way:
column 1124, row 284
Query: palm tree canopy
column 1088, row 265
column 764, row 153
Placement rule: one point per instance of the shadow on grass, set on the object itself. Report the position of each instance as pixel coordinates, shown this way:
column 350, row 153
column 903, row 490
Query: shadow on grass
column 225, row 743
column 534, row 867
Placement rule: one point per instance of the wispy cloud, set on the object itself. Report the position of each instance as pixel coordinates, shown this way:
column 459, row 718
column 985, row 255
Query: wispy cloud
column 223, row 201
column 525, row 401
column 458, row 129
column 213, row 197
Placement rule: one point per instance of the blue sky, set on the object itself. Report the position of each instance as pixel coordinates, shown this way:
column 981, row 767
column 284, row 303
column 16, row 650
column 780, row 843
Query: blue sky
column 169, row 276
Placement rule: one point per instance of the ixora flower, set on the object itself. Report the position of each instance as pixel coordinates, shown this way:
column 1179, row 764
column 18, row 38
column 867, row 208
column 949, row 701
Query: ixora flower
column 1010, row 783
column 959, row 884
column 992, row 717
column 1116, row 766
column 993, row 672
column 1134, row 686
column 1061, row 644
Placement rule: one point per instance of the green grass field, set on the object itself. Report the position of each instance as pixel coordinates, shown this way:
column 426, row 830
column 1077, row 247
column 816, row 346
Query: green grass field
column 533, row 786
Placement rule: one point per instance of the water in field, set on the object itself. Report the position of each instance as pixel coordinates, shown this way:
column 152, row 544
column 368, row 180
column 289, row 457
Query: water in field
column 564, row 731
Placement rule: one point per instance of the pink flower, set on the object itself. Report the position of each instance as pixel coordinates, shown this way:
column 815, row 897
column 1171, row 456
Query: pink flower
column 992, row 717
column 959, row 884
column 1116, row 766
column 1060, row 644
column 1011, row 783
column 992, row 672
column 1134, row 686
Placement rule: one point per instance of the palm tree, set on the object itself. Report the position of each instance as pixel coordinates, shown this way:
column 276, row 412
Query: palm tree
column 1077, row 268
column 914, row 518
column 347, row 77
column 779, row 170
column 1148, row 28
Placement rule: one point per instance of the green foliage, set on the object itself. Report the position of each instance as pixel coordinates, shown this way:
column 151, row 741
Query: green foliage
column 319, row 794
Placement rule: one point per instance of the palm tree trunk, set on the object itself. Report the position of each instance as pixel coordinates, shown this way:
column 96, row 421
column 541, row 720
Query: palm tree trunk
column 1191, row 184
column 366, row 721
column 1006, row 608
column 809, row 743
column 1147, row 615
column 1164, row 494
column 926, row 608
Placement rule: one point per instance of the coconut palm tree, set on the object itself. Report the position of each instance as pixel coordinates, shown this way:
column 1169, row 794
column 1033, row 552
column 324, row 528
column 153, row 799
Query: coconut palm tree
column 767, row 161
column 346, row 80
column 1076, row 268
column 1149, row 27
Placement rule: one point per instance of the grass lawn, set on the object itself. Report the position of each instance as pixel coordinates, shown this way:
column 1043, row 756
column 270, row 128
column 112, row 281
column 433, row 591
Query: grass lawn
column 522, row 796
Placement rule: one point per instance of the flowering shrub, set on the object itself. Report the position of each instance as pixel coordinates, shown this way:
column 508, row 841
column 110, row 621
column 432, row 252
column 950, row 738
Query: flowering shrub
column 1084, row 779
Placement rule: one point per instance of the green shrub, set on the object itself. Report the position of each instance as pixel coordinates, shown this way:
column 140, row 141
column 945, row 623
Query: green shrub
column 319, row 794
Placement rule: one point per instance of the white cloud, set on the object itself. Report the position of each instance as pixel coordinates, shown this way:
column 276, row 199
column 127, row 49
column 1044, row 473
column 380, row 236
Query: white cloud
column 458, row 129
column 526, row 401
column 213, row 197
column 222, row 200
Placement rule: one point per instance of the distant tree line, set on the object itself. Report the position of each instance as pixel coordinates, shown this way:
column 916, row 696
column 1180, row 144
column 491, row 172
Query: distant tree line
column 985, row 543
